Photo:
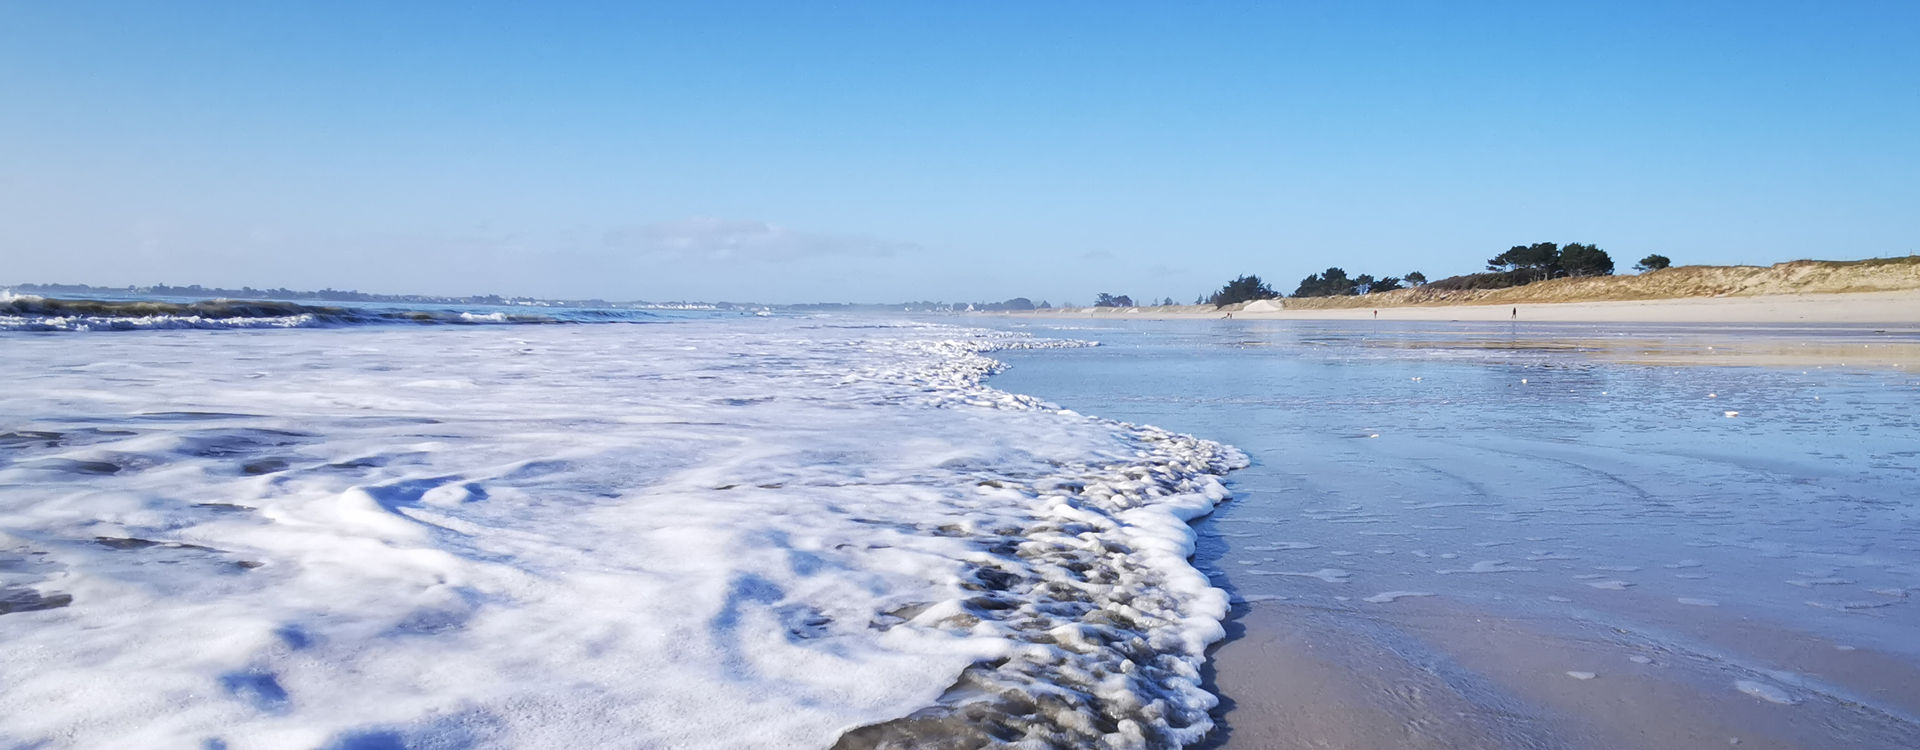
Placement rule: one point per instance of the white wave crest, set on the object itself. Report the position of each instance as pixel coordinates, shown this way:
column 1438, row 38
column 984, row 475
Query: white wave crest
column 80, row 323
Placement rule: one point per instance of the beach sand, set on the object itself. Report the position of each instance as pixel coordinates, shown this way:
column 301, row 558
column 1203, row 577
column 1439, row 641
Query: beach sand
column 1899, row 309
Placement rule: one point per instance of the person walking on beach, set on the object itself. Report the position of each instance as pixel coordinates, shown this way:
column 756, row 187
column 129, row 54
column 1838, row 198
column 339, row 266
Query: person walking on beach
column 1516, row 313
column 1376, row 315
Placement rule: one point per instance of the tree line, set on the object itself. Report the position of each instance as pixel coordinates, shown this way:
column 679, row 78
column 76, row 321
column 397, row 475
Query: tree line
column 1520, row 264
column 1334, row 282
column 1545, row 260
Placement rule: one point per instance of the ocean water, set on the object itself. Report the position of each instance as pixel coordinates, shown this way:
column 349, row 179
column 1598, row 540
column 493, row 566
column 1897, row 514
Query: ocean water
column 26, row 312
column 365, row 532
column 1746, row 532
column 368, row 528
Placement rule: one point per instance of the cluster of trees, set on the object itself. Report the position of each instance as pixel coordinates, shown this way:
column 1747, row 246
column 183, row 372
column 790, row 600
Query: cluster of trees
column 1244, row 289
column 1334, row 282
column 1525, row 264
column 1017, row 303
column 1546, row 260
column 1104, row 299
column 1520, row 264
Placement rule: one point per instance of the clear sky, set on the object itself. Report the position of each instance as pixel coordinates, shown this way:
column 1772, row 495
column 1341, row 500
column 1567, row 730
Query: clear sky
column 887, row 151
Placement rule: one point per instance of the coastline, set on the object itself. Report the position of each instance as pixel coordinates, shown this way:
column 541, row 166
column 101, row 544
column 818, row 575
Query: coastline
column 1579, row 561
column 1900, row 309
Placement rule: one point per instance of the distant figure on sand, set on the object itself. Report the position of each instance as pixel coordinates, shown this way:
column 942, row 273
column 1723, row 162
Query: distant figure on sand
column 1516, row 313
column 1376, row 315
column 1229, row 317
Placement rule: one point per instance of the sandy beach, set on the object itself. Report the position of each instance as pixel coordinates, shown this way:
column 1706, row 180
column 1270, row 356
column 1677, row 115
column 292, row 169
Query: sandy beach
column 1900, row 309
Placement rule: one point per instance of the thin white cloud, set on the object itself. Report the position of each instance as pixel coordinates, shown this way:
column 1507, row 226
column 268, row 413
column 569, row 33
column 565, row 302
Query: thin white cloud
column 713, row 239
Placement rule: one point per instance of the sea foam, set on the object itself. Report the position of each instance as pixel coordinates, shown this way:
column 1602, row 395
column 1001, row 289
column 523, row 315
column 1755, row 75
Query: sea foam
column 757, row 533
column 42, row 314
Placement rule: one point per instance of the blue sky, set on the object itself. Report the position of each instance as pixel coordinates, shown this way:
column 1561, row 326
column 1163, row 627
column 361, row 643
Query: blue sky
column 963, row 150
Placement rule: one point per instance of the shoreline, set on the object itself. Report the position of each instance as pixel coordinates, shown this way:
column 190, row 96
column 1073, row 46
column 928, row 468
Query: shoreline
column 1898, row 310
column 1603, row 557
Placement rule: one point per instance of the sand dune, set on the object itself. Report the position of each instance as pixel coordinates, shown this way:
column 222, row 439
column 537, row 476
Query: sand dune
column 1881, row 291
column 1685, row 282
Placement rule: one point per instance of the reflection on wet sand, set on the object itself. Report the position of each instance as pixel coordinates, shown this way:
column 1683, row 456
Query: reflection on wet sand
column 1744, row 347
column 1529, row 536
column 1440, row 673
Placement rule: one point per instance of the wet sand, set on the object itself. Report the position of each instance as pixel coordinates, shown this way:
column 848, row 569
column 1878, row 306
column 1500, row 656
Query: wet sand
column 1431, row 673
column 1543, row 537
column 1804, row 348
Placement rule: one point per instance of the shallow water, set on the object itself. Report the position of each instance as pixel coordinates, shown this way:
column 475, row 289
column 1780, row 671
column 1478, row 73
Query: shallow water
column 1749, row 534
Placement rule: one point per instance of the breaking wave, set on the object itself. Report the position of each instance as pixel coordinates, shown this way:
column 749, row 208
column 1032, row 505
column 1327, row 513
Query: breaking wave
column 787, row 533
column 32, row 313
column 1106, row 621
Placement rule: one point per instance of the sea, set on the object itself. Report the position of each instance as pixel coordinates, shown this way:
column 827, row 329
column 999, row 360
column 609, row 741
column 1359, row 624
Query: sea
column 270, row 525
column 275, row 525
